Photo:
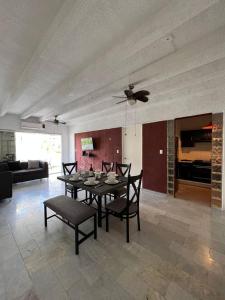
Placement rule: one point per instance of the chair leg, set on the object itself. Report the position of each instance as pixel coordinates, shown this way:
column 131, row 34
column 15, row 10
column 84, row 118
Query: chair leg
column 107, row 220
column 127, row 229
column 95, row 226
column 45, row 215
column 91, row 199
column 76, row 241
column 138, row 221
column 106, row 199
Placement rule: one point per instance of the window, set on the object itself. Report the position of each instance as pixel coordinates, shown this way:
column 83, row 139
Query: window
column 46, row 147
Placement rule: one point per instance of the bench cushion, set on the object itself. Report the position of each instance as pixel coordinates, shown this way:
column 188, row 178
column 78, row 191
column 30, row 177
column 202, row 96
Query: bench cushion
column 74, row 211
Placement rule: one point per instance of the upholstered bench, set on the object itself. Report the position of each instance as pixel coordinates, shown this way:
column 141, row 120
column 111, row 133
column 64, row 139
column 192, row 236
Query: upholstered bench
column 72, row 213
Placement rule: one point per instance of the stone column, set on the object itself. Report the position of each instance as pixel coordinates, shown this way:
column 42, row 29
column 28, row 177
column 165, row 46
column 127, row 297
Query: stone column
column 170, row 157
column 217, row 156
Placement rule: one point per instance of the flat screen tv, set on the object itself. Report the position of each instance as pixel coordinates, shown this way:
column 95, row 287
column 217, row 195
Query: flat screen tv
column 87, row 144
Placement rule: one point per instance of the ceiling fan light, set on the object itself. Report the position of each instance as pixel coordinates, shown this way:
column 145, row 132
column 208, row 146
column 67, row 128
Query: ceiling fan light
column 131, row 101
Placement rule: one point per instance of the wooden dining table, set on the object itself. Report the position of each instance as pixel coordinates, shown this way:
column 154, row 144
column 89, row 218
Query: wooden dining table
column 96, row 191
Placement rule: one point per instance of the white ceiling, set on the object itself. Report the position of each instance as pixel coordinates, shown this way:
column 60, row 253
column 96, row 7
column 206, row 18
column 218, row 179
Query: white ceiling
column 69, row 57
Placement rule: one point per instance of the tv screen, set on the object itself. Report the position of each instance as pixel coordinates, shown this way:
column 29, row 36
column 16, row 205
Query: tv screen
column 87, row 144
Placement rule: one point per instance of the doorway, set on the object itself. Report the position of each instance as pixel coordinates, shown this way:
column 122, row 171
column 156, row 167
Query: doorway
column 193, row 153
column 38, row 146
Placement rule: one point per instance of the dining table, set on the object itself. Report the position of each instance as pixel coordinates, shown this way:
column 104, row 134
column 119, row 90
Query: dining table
column 97, row 191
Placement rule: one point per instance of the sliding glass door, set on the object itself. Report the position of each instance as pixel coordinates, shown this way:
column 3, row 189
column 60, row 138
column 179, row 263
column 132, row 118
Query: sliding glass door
column 38, row 146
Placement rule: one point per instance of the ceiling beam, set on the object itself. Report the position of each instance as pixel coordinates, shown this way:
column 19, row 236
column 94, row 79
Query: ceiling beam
column 210, row 103
column 193, row 91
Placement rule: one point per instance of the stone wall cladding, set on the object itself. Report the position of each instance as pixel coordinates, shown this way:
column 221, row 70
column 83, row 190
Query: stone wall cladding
column 170, row 157
column 217, row 157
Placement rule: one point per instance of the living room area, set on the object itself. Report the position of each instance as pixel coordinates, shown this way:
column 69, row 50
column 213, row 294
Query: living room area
column 28, row 155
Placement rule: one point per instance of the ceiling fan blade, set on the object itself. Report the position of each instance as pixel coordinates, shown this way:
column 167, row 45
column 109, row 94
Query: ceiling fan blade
column 121, row 101
column 142, row 99
column 141, row 93
column 122, row 97
column 146, row 93
column 63, row 123
column 50, row 121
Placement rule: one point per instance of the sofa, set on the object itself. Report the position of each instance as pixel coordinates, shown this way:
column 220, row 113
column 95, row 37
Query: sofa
column 16, row 171
column 5, row 185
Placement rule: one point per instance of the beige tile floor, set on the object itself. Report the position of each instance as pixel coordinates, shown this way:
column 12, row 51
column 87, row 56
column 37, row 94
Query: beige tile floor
column 179, row 253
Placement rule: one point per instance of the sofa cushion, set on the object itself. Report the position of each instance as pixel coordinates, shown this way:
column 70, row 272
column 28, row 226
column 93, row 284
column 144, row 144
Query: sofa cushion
column 28, row 171
column 4, row 167
column 28, row 174
column 23, row 165
column 14, row 165
column 33, row 164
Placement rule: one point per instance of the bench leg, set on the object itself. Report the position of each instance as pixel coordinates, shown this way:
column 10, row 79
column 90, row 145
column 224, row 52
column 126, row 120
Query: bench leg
column 95, row 226
column 45, row 215
column 76, row 240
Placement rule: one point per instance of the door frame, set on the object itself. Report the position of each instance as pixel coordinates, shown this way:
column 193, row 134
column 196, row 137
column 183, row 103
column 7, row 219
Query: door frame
column 175, row 152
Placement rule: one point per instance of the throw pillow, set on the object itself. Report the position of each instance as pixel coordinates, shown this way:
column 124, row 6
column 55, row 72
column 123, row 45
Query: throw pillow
column 33, row 164
column 24, row 165
column 14, row 165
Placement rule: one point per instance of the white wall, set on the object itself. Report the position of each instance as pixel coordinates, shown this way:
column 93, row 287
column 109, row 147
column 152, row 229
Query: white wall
column 13, row 123
column 132, row 147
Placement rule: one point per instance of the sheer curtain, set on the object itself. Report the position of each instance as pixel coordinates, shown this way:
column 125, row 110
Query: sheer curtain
column 38, row 146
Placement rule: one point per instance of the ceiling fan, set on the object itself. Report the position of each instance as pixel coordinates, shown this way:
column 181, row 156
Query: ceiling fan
column 132, row 97
column 56, row 121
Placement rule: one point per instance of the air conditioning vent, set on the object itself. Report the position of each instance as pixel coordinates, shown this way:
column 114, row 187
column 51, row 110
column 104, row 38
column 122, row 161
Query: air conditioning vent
column 31, row 125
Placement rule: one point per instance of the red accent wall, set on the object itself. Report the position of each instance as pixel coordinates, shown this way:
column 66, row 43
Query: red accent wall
column 155, row 164
column 106, row 144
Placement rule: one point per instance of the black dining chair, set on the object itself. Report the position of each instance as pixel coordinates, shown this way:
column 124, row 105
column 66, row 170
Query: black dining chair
column 107, row 166
column 121, row 170
column 69, row 169
column 126, row 207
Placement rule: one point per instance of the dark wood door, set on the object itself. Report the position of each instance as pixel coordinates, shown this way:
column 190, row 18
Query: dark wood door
column 155, row 156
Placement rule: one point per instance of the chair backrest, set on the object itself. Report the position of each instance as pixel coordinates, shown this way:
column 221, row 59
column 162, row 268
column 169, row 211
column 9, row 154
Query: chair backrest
column 123, row 169
column 107, row 166
column 69, row 168
column 133, row 189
